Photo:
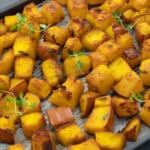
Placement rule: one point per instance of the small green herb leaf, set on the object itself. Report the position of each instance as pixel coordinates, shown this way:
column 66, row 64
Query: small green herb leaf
column 30, row 27
column 20, row 95
column 137, row 97
column 43, row 26
column 9, row 100
column 79, row 65
column 13, row 27
column 19, row 103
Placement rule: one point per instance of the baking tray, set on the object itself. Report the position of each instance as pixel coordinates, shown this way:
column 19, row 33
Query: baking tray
column 8, row 7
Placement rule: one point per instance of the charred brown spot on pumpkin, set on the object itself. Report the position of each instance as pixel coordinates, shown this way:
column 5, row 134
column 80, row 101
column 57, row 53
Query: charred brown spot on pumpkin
column 131, row 54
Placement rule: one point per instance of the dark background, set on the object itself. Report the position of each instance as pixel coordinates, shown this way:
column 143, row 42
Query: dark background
column 8, row 7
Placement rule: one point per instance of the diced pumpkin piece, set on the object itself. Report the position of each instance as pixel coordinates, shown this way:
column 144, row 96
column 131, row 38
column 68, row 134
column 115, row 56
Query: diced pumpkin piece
column 31, row 123
column 60, row 116
column 33, row 103
column 18, row 86
column 103, row 101
column 68, row 94
column 70, row 134
column 125, row 107
column 100, row 119
column 78, row 26
column 25, row 45
column 145, row 113
column 130, row 83
column 110, row 140
column 23, row 67
column 77, row 65
column 100, row 80
column 90, row 144
column 93, row 38
column 145, row 72
column 39, row 87
column 15, row 147
column 31, row 12
column 52, row 72
column 7, row 130
column 52, row 12
column 86, row 103
column 132, row 129
column 43, row 139
column 52, row 34
column 146, row 49
column 4, row 82
column 119, row 68
column 77, row 8
column 47, row 50
column 110, row 49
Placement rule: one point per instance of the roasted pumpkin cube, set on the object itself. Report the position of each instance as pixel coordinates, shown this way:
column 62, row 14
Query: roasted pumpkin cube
column 132, row 129
column 114, row 30
column 95, row 2
column 119, row 68
column 68, row 94
column 146, row 49
column 100, row 80
column 92, row 39
column 7, row 40
column 31, row 12
column 73, row 44
column 39, row 87
column 145, row 72
column 6, row 62
column 63, row 2
column 10, row 21
column 53, row 35
column 110, row 140
column 31, row 29
column 47, row 50
column 138, row 5
column 145, row 113
column 18, row 86
column 78, row 27
column 42, row 139
column 110, row 49
column 23, row 67
column 89, row 144
column 33, row 104
column 31, row 123
column 4, row 82
column 52, row 12
column 86, row 103
column 97, row 58
column 65, row 138
column 60, row 116
column 77, row 65
column 8, row 108
column 103, row 101
column 15, row 147
column 25, row 45
column 3, row 28
column 112, row 5
column 123, row 39
column 124, row 107
column 7, row 130
column 147, row 95
column 130, row 83
column 132, row 57
column 77, row 8
column 142, row 31
column 100, row 119
column 99, row 18
column 52, row 72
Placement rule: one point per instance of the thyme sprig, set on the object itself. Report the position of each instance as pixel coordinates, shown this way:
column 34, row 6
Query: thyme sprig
column 137, row 97
column 20, row 101
column 118, row 16
column 22, row 21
